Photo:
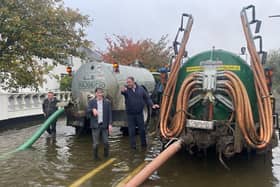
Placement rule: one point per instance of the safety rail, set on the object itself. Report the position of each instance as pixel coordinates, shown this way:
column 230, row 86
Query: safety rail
column 14, row 105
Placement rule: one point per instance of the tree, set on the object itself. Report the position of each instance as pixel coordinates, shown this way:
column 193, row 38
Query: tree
column 124, row 50
column 273, row 61
column 65, row 83
column 31, row 30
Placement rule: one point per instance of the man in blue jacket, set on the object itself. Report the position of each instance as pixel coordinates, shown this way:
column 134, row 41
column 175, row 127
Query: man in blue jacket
column 135, row 99
column 100, row 121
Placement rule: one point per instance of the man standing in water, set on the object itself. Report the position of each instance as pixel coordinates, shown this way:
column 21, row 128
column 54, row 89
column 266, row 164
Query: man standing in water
column 100, row 121
column 135, row 99
column 49, row 107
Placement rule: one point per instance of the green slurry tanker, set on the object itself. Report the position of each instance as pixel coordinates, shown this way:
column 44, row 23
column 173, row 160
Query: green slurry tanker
column 218, row 100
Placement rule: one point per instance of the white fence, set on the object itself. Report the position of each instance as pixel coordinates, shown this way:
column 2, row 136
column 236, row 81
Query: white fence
column 14, row 105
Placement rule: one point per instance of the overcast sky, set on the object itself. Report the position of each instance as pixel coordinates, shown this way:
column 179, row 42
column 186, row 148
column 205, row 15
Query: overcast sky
column 216, row 22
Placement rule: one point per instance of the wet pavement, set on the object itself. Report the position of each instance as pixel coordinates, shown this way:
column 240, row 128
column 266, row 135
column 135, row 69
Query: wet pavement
column 62, row 160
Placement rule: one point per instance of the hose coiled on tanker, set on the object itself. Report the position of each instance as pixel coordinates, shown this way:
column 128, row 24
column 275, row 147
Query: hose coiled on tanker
column 234, row 88
column 263, row 96
column 175, row 128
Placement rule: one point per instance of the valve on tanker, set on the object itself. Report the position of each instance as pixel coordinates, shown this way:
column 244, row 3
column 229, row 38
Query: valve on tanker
column 116, row 67
column 69, row 70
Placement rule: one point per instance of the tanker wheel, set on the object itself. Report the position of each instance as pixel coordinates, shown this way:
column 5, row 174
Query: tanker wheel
column 146, row 114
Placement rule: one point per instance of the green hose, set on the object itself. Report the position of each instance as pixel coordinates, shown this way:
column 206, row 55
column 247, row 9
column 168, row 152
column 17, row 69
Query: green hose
column 37, row 134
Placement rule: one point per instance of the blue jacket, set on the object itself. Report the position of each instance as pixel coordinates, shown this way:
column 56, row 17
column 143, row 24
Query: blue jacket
column 107, row 114
column 135, row 101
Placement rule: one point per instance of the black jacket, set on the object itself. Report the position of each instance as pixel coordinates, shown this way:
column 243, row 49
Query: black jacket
column 49, row 107
column 107, row 114
column 135, row 101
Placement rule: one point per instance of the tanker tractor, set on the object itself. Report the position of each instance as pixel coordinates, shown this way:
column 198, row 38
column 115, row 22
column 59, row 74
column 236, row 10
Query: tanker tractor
column 110, row 77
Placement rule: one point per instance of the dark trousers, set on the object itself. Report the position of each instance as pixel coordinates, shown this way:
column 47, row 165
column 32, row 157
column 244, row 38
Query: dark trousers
column 96, row 133
column 136, row 120
column 52, row 128
column 159, row 96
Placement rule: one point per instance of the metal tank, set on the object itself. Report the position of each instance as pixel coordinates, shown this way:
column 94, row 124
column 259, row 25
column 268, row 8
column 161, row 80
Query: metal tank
column 99, row 74
column 230, row 62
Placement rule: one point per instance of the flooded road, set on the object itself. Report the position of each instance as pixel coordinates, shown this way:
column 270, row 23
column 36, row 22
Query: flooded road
column 62, row 160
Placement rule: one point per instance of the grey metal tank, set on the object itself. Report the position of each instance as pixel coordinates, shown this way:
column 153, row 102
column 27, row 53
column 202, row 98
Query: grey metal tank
column 99, row 74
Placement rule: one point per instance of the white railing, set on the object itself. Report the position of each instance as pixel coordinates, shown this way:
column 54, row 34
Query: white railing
column 14, row 105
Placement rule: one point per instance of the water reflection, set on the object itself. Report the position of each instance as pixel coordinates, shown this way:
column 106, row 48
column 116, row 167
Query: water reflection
column 61, row 160
column 184, row 170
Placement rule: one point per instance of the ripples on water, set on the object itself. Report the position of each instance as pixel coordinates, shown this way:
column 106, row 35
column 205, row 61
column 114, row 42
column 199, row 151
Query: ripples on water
column 60, row 161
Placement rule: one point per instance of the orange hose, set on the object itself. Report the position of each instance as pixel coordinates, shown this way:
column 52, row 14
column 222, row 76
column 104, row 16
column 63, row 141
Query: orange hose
column 155, row 164
column 211, row 111
column 244, row 116
column 169, row 90
column 263, row 96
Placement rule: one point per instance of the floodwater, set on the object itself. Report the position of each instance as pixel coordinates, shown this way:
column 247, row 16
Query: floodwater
column 62, row 160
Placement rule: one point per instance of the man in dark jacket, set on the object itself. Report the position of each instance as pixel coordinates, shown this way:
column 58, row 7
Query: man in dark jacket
column 49, row 107
column 100, row 121
column 135, row 99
